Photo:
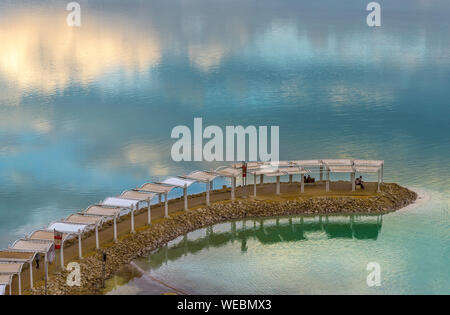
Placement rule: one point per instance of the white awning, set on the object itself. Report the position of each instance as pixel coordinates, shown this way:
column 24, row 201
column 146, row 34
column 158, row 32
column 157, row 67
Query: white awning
column 341, row 169
column 367, row 169
column 137, row 195
column 294, row 170
column 102, row 211
column 13, row 256
column 119, row 202
column 228, row 172
column 279, row 163
column 270, row 173
column 67, row 227
column 178, row 181
column 83, row 219
column 368, row 162
column 307, row 162
column 338, row 162
column 156, row 188
column 250, row 165
column 10, row 268
column 37, row 246
column 202, row 176
column 45, row 235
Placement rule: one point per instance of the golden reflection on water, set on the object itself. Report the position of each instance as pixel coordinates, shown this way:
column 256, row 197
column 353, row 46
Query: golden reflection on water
column 40, row 52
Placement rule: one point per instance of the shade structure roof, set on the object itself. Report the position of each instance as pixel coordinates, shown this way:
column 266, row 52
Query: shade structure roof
column 338, row 162
column 178, row 181
column 69, row 228
column 278, row 163
column 368, row 162
column 367, row 169
column 83, row 219
column 119, row 202
column 202, row 176
column 307, row 162
column 102, row 211
column 229, row 172
column 32, row 245
column 341, row 169
column 157, row 188
column 137, row 195
column 250, row 165
column 9, row 268
column 45, row 235
column 293, row 170
column 269, row 172
column 8, row 255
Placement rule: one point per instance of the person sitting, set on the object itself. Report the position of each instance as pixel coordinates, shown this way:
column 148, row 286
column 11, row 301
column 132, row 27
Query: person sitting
column 359, row 182
column 308, row 179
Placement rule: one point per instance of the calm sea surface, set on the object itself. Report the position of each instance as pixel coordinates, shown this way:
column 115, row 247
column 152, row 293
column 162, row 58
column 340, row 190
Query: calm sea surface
column 87, row 112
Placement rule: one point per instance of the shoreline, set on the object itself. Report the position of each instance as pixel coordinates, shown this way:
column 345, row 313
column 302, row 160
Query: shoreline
column 131, row 246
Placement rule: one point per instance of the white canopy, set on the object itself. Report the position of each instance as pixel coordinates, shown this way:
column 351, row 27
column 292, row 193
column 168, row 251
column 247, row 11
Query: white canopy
column 178, row 181
column 156, row 188
column 32, row 246
column 228, row 172
column 279, row 163
column 307, row 162
column 269, row 172
column 338, row 162
column 120, row 202
column 341, row 169
column 45, row 235
column 67, row 227
column 83, row 219
column 367, row 169
column 202, row 176
column 137, row 195
column 250, row 165
column 294, row 170
column 102, row 211
column 10, row 268
column 368, row 162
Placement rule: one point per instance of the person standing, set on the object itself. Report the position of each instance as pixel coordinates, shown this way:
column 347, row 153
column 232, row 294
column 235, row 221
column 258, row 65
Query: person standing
column 38, row 258
column 244, row 173
column 359, row 182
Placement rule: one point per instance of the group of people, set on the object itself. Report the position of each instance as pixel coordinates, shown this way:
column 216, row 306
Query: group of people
column 308, row 179
column 359, row 182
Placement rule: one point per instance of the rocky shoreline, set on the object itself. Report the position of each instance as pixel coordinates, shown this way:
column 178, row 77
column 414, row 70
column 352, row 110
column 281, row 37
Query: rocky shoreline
column 392, row 198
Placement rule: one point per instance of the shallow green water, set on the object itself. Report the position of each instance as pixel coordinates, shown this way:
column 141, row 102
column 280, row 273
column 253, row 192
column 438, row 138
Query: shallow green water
column 301, row 255
column 87, row 113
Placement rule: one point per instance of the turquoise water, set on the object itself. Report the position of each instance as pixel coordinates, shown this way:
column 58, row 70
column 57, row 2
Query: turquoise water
column 86, row 113
column 298, row 255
